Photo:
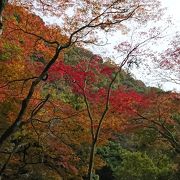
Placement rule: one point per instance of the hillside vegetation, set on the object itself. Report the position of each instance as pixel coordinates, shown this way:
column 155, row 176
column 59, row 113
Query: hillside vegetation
column 73, row 115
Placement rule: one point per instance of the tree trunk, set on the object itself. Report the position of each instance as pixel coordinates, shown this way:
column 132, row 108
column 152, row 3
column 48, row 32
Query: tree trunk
column 24, row 105
column 2, row 5
column 91, row 161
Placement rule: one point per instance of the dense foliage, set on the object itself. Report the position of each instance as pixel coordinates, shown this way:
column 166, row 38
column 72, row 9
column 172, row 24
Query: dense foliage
column 65, row 113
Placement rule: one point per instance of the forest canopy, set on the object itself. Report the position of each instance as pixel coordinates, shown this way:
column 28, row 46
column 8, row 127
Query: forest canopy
column 67, row 113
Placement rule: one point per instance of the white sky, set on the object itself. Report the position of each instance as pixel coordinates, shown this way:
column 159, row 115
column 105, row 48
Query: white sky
column 151, row 77
column 173, row 10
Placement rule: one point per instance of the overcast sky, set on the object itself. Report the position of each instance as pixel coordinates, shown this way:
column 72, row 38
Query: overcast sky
column 151, row 76
column 173, row 8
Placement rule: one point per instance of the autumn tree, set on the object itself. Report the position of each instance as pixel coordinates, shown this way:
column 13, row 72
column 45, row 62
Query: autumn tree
column 162, row 116
column 46, row 47
column 102, row 95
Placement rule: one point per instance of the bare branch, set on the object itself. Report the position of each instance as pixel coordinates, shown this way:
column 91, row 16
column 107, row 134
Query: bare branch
column 18, row 80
